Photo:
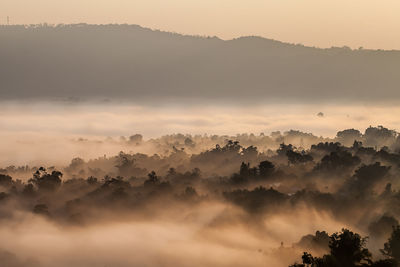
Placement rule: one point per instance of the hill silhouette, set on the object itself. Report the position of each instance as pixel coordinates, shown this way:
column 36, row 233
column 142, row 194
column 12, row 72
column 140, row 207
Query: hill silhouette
column 129, row 62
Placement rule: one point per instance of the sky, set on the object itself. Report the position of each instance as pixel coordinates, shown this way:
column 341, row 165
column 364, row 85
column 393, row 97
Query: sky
column 321, row 23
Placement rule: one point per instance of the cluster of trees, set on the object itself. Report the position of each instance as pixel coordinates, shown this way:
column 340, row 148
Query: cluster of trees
column 348, row 249
column 357, row 185
column 328, row 176
column 186, row 152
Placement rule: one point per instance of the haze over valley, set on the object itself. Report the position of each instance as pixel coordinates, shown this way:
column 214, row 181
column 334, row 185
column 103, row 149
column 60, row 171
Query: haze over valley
column 122, row 145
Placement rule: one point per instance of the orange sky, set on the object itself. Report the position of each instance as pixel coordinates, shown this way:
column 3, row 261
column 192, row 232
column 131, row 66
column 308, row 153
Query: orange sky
column 323, row 23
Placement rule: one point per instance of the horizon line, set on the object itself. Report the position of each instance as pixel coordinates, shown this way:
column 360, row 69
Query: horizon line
column 55, row 25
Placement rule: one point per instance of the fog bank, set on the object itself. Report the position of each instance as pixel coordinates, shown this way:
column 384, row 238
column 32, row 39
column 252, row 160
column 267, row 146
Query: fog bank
column 34, row 132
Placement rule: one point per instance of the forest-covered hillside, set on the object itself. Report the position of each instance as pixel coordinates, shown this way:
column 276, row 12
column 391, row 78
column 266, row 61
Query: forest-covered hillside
column 137, row 64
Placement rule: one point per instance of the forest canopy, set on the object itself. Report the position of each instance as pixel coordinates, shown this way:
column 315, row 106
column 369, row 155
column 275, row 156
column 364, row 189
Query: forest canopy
column 354, row 187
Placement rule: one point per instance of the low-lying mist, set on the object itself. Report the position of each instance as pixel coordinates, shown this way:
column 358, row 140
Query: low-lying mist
column 195, row 200
column 124, row 146
column 199, row 236
column 54, row 132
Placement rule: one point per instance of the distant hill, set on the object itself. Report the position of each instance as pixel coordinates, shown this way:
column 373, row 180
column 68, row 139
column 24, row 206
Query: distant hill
column 134, row 63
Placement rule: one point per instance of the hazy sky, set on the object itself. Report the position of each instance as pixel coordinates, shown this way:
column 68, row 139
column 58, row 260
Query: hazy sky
column 324, row 23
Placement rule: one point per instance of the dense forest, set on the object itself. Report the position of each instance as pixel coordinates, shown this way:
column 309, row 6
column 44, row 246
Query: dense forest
column 349, row 187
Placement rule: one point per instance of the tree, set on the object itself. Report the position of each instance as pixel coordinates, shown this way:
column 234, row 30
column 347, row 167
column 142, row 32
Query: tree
column 152, row 180
column 296, row 157
column 385, row 263
column 338, row 162
column 5, row 180
column 348, row 248
column 348, row 136
column 379, row 136
column 136, row 139
column 246, row 171
column 265, row 168
column 365, row 178
column 46, row 181
column 392, row 247
column 283, row 149
column 383, row 227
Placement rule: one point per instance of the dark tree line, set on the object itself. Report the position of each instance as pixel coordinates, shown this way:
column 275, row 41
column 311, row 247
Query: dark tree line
column 348, row 249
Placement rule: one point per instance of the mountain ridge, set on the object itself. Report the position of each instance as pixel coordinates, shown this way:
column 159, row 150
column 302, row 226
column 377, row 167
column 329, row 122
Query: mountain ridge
column 141, row 64
column 137, row 26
